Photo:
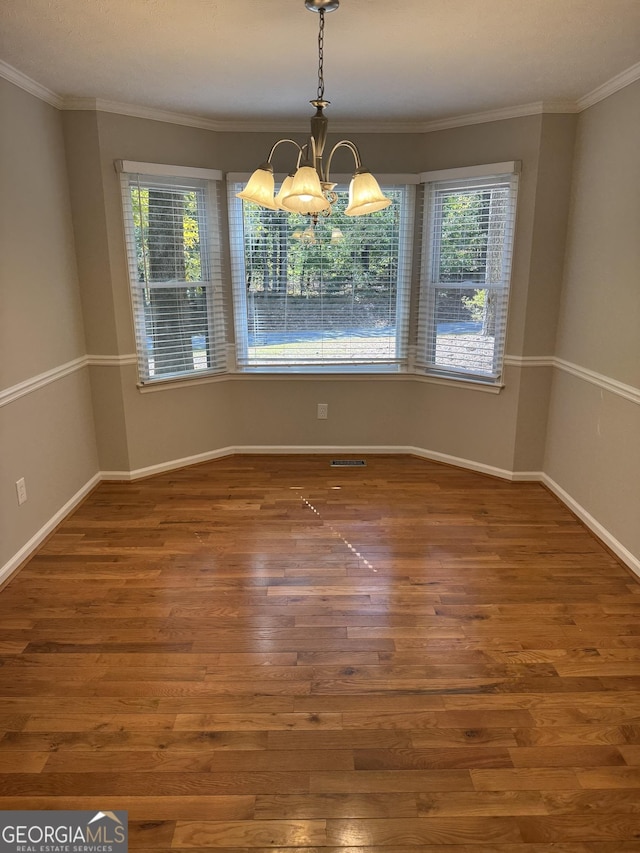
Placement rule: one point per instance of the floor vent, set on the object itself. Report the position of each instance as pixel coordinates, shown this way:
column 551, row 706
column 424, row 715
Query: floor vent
column 347, row 463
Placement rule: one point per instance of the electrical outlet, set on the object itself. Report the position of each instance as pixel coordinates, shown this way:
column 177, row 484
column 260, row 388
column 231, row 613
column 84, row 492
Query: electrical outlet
column 323, row 411
column 21, row 491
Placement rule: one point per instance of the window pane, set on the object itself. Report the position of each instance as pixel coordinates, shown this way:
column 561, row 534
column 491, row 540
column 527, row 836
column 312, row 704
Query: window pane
column 176, row 329
column 170, row 264
column 168, row 228
column 463, row 236
column 464, row 329
column 323, row 293
column 468, row 239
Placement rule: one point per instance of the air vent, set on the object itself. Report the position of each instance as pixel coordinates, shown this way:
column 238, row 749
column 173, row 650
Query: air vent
column 348, row 463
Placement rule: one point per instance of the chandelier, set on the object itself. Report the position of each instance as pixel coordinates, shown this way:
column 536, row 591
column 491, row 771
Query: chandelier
column 308, row 189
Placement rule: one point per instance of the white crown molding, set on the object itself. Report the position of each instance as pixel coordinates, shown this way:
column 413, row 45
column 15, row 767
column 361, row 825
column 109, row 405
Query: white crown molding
column 8, row 72
column 537, row 108
column 184, row 119
column 630, row 75
column 302, row 126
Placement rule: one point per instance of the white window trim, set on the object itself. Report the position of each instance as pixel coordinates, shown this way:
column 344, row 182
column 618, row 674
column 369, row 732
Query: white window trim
column 486, row 170
column 404, row 296
column 412, row 298
column 163, row 171
column 210, row 237
column 426, row 295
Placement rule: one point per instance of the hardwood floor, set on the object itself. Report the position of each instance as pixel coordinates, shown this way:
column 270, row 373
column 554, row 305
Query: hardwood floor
column 264, row 653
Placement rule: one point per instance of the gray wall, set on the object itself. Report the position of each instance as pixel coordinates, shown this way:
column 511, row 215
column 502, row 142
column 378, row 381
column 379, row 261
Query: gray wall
column 593, row 437
column 46, row 433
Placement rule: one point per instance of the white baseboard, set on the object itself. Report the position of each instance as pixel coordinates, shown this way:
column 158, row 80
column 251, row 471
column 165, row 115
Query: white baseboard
column 594, row 525
column 479, row 467
column 266, row 450
column 38, row 538
column 601, row 532
column 325, row 449
column 173, row 465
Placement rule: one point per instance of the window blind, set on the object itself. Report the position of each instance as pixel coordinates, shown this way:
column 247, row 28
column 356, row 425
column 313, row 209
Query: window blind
column 172, row 239
column 466, row 269
column 334, row 296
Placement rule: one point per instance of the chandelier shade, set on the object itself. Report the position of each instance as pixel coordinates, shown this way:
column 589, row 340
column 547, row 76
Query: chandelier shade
column 365, row 195
column 260, row 187
column 284, row 190
column 309, row 189
column 305, row 194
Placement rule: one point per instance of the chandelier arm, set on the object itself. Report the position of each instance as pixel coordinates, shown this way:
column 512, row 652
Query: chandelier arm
column 344, row 143
column 279, row 142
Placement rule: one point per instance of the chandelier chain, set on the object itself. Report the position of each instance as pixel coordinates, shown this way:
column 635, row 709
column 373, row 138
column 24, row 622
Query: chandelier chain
column 321, row 57
column 309, row 190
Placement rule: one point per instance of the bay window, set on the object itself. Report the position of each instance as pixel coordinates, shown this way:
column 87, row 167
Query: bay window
column 324, row 294
column 330, row 295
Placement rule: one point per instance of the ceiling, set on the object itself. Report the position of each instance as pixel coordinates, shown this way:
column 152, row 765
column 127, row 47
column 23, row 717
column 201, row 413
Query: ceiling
column 394, row 61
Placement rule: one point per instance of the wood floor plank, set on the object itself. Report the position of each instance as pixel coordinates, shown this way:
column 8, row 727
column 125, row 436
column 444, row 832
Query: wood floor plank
column 579, row 735
column 181, row 784
column 531, row 779
column 578, row 827
column 22, row 761
column 417, row 759
column 254, row 721
column 423, row 831
column 481, row 803
column 372, row 781
column 566, row 756
column 70, row 722
column 145, row 808
column 596, row 801
column 353, row 805
column 265, row 653
column 609, row 777
column 124, row 739
column 173, row 761
column 225, row 834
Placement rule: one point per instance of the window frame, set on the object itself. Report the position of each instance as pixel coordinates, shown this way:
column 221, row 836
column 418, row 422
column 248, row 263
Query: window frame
column 506, row 173
column 206, row 182
column 414, row 300
column 403, row 297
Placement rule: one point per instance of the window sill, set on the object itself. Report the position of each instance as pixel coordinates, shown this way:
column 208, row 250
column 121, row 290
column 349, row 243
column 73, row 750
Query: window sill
column 463, row 382
column 287, row 374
